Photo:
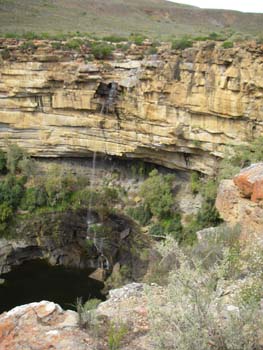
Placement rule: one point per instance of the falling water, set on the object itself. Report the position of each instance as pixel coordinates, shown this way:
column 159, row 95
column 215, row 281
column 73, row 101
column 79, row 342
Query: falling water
column 98, row 242
column 92, row 182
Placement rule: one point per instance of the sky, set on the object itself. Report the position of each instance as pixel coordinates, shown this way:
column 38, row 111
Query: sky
column 239, row 5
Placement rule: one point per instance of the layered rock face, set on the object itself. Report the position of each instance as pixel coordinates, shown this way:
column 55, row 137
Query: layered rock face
column 179, row 109
column 239, row 202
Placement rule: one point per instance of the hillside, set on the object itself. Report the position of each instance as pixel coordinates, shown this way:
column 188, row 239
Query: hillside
column 153, row 17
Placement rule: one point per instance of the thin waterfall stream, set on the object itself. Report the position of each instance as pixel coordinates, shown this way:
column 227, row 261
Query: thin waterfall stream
column 98, row 242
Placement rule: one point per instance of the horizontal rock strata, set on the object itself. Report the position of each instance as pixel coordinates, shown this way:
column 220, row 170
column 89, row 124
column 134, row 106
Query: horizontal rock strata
column 180, row 109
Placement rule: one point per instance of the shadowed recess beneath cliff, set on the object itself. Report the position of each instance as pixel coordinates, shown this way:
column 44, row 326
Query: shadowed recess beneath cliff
column 36, row 280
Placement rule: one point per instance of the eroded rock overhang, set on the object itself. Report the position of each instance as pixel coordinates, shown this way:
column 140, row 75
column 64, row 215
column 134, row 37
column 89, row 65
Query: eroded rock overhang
column 179, row 109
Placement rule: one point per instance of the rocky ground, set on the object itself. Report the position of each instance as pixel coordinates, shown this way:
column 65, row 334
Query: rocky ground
column 45, row 325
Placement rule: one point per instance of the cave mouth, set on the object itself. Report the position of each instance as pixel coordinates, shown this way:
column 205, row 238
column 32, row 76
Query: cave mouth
column 36, row 280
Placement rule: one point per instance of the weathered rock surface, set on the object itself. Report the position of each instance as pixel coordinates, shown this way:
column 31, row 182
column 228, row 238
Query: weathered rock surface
column 44, row 325
column 41, row 326
column 235, row 209
column 250, row 182
column 180, row 109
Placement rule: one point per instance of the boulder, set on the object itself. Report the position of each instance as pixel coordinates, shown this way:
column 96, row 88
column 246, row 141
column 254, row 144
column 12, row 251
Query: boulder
column 250, row 182
column 40, row 326
column 237, row 201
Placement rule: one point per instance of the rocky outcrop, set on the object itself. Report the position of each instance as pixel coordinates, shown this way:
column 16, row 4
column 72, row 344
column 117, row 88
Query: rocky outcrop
column 250, row 182
column 45, row 325
column 40, row 326
column 180, row 109
column 236, row 202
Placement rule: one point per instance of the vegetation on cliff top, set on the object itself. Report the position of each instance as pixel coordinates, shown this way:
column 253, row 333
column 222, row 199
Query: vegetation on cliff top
column 155, row 18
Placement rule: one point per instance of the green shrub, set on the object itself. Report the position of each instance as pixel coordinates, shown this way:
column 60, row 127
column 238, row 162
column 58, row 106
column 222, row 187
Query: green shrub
column 74, row 44
column 116, row 334
column 123, row 47
column 31, row 35
column 194, row 182
column 214, row 36
column 101, row 50
column 182, row 44
column 34, row 198
column 6, row 212
column 227, row 44
column 157, row 194
column 11, row 191
column 142, row 214
column 171, row 226
column 28, row 45
column 86, row 312
column 2, row 162
column 59, row 188
column 5, row 54
column 14, row 154
column 137, row 39
column 11, row 35
column 115, row 38
column 57, row 45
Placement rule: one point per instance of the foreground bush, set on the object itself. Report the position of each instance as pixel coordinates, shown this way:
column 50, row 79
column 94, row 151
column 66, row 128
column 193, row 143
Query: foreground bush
column 197, row 311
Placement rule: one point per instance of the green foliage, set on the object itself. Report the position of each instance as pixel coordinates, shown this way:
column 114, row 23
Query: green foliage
column 171, row 226
column 227, row 44
column 194, row 182
column 137, row 39
column 101, row 50
column 182, row 44
column 240, row 157
column 28, row 45
column 14, row 155
column 157, row 194
column 115, row 38
column 123, row 47
column 11, row 191
column 57, row 45
column 5, row 212
column 86, row 312
column 74, row 44
column 34, row 198
column 5, row 54
column 116, row 334
column 31, row 35
column 59, row 188
column 2, row 162
column 214, row 36
column 141, row 213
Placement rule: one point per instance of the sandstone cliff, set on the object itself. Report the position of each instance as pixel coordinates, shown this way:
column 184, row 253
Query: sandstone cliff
column 179, row 109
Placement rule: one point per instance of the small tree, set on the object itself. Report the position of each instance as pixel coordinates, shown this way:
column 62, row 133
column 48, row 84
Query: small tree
column 157, row 194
